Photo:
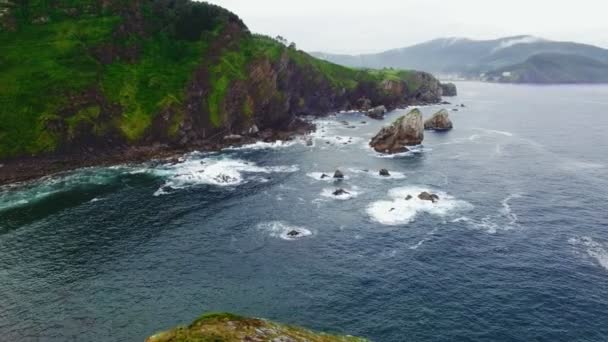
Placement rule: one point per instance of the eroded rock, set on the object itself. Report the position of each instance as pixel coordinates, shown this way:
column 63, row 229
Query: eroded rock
column 406, row 131
column 340, row 192
column 426, row 196
column 377, row 112
column 440, row 121
column 449, row 89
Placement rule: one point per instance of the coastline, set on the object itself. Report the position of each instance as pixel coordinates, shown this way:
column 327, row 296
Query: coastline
column 25, row 169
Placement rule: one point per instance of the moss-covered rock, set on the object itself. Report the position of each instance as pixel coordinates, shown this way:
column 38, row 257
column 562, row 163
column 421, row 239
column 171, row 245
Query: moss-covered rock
column 227, row 328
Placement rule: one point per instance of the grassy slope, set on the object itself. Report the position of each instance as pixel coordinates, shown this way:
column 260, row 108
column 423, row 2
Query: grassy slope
column 48, row 59
column 227, row 328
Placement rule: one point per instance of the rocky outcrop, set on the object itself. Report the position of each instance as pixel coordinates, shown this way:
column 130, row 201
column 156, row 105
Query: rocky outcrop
column 426, row 196
column 377, row 112
column 449, row 89
column 384, row 173
column 232, row 328
column 406, row 131
column 440, row 121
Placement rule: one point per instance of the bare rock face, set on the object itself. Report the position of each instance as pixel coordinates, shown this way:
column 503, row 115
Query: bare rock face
column 449, row 89
column 377, row 112
column 440, row 121
column 406, row 131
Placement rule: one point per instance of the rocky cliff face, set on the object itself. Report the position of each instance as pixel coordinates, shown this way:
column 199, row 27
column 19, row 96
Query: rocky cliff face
column 114, row 75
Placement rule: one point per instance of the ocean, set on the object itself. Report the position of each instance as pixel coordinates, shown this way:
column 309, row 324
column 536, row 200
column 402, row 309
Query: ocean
column 516, row 249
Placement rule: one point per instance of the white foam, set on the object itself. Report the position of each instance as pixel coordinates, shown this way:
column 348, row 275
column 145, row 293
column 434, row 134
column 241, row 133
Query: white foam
column 398, row 210
column 506, row 219
column 261, row 145
column 217, row 170
column 280, row 229
column 413, row 150
column 351, row 193
column 594, row 249
column 495, row 131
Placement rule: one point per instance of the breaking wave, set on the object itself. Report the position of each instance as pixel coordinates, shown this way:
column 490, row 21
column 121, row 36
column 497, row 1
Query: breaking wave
column 214, row 170
column 400, row 210
column 594, row 249
column 285, row 231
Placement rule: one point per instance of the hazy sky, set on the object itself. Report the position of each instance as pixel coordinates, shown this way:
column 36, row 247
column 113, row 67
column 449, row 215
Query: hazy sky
column 349, row 26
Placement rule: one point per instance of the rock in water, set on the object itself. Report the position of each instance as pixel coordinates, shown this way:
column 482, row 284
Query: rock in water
column 340, row 192
column 408, row 130
column 384, row 173
column 440, row 121
column 449, row 89
column 377, row 112
column 425, row 196
column 293, row 233
column 338, row 174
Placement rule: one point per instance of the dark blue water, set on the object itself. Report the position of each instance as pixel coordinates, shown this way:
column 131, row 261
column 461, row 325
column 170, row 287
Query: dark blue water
column 516, row 249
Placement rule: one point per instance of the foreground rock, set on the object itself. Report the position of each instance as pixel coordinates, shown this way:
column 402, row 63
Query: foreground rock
column 440, row 121
column 229, row 328
column 406, row 131
column 384, row 173
column 425, row 196
column 449, row 89
column 377, row 112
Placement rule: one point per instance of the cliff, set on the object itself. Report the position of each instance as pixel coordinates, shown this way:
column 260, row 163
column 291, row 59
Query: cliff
column 86, row 79
column 227, row 327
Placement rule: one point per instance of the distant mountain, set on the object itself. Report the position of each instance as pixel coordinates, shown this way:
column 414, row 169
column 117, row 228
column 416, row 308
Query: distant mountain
column 551, row 68
column 473, row 58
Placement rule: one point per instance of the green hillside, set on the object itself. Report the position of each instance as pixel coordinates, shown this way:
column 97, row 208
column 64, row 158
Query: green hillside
column 114, row 73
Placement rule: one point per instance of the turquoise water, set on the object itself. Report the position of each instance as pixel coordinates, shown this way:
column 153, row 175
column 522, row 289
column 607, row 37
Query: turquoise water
column 516, row 249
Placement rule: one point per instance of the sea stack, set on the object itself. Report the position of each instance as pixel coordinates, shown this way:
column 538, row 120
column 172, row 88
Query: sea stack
column 448, row 89
column 406, row 131
column 440, row 121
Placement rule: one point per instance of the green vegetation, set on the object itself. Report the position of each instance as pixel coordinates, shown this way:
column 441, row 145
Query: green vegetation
column 227, row 328
column 71, row 69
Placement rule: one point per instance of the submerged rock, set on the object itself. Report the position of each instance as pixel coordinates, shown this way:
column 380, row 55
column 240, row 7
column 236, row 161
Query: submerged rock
column 425, row 196
column 293, row 233
column 231, row 328
column 377, row 112
column 448, row 89
column 408, row 197
column 323, row 176
column 440, row 121
column 407, row 130
column 338, row 174
column 340, row 192
column 384, row 173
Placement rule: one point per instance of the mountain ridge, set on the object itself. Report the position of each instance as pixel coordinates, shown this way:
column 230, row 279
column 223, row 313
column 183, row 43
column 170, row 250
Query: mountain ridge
column 467, row 58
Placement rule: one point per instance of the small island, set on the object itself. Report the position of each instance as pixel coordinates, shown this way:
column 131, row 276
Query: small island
column 228, row 327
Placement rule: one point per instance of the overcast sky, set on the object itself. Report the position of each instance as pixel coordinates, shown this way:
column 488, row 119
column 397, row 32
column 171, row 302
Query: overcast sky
column 350, row 26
